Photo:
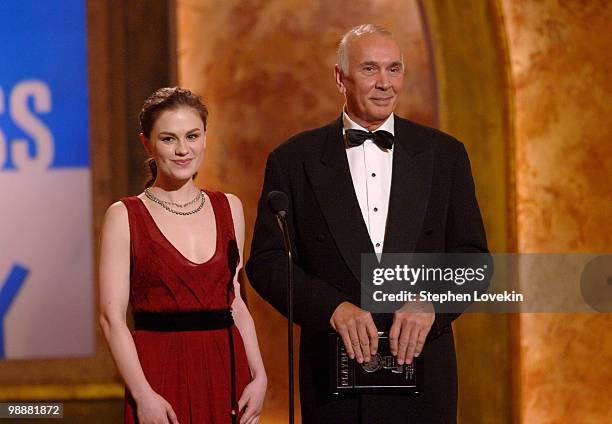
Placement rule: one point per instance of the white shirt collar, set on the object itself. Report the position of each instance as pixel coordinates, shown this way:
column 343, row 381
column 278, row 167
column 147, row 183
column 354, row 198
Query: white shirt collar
column 349, row 124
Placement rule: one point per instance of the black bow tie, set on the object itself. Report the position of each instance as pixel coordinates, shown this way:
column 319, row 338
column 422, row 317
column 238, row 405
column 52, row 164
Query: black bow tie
column 383, row 139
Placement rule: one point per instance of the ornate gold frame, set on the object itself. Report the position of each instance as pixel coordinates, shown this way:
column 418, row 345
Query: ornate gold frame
column 475, row 103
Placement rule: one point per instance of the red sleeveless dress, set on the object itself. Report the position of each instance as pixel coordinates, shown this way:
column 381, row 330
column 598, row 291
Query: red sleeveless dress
column 190, row 369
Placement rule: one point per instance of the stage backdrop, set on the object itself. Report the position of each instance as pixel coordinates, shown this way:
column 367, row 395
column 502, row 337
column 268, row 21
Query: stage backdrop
column 46, row 279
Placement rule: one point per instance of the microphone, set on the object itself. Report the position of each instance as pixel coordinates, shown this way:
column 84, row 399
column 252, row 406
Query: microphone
column 278, row 202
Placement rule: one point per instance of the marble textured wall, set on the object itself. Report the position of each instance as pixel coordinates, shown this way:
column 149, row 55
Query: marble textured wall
column 560, row 60
column 265, row 70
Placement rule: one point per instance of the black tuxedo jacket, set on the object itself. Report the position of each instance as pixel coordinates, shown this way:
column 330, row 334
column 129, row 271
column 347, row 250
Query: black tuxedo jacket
column 432, row 208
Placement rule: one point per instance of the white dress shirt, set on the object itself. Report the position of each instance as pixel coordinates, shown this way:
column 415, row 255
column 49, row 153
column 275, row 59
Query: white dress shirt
column 371, row 169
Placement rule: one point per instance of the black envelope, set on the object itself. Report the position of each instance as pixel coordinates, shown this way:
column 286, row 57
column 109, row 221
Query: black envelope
column 380, row 375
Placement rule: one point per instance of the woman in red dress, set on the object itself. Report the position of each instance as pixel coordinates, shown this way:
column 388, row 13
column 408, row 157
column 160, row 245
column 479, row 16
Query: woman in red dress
column 174, row 252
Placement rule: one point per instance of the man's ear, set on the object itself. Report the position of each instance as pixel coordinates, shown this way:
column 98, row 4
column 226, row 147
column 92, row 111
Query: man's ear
column 145, row 143
column 339, row 79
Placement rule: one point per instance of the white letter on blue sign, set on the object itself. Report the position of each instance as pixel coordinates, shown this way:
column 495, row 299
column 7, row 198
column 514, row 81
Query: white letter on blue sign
column 29, row 123
column 2, row 137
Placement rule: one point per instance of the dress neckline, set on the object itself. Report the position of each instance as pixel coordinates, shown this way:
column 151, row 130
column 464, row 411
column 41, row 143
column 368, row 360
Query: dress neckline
column 172, row 246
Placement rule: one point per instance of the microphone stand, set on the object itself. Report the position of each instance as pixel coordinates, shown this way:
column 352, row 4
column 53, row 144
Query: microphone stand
column 282, row 222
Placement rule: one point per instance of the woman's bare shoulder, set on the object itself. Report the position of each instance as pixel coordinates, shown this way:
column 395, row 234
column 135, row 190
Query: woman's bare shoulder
column 234, row 201
column 116, row 217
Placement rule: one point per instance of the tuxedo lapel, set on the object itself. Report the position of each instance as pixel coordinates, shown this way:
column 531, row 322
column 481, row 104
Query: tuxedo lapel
column 330, row 177
column 410, row 188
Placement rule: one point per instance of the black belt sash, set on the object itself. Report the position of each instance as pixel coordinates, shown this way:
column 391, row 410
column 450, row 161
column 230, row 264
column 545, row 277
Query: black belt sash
column 194, row 321
column 183, row 321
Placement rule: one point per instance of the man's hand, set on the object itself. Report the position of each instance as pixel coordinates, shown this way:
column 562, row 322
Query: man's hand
column 411, row 324
column 357, row 329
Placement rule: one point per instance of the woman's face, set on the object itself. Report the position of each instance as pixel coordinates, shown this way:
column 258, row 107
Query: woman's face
column 177, row 143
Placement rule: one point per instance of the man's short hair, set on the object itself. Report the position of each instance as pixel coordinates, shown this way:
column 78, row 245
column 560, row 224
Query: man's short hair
column 343, row 60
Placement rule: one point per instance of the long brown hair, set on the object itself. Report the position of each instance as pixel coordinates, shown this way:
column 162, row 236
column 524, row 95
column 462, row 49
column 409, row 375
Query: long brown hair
column 164, row 99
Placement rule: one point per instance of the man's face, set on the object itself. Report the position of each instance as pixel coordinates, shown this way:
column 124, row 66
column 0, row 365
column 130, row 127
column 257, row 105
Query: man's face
column 374, row 79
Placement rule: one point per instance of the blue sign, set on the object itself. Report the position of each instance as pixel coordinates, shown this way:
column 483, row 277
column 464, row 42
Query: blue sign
column 46, row 248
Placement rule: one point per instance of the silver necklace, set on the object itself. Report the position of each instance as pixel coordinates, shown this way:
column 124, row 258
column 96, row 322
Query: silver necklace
column 178, row 205
column 166, row 205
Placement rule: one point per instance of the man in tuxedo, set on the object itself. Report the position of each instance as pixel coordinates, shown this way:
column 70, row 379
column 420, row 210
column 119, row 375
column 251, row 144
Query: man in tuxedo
column 369, row 182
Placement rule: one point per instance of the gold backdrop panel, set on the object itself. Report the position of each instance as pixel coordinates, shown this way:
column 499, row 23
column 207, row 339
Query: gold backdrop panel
column 561, row 75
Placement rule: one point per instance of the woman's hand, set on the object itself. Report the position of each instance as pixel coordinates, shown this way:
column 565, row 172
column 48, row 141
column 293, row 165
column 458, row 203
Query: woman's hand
column 253, row 398
column 154, row 409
